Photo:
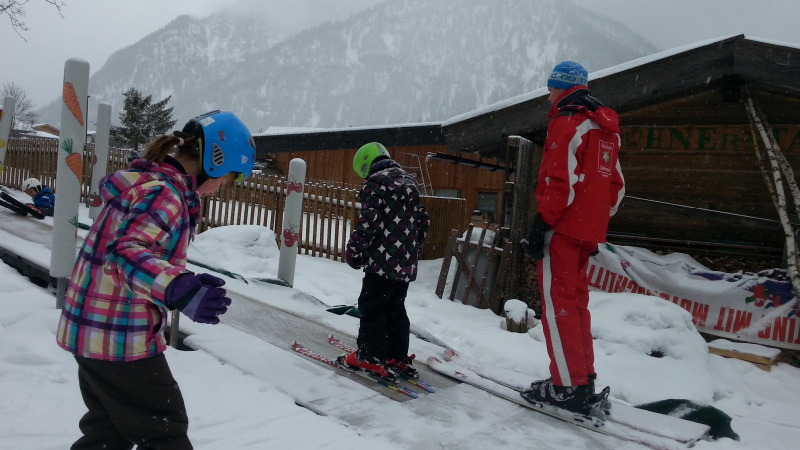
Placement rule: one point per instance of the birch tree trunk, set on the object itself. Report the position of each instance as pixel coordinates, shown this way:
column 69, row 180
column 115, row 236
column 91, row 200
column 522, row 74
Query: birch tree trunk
column 775, row 178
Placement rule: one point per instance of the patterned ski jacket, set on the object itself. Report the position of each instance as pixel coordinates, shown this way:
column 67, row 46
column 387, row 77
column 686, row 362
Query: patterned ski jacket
column 392, row 227
column 580, row 180
column 114, row 308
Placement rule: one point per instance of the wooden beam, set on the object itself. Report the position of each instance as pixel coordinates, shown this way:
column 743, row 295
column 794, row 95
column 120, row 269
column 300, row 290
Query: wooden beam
column 529, row 157
column 761, row 356
column 338, row 139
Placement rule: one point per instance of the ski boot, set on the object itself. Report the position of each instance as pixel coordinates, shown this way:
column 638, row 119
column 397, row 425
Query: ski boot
column 574, row 399
column 535, row 385
column 599, row 400
column 371, row 365
column 402, row 366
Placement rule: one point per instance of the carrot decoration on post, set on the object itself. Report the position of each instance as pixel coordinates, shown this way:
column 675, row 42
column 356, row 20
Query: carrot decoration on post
column 71, row 100
column 73, row 159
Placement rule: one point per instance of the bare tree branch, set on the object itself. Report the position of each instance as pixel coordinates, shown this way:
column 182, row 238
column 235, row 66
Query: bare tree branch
column 15, row 10
column 23, row 117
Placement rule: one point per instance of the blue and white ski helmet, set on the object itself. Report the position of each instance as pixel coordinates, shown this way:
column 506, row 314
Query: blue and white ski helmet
column 226, row 144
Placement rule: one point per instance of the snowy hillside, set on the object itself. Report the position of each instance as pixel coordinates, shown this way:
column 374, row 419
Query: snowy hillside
column 397, row 62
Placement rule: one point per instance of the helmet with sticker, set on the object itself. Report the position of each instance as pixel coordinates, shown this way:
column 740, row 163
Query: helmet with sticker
column 226, row 144
column 366, row 155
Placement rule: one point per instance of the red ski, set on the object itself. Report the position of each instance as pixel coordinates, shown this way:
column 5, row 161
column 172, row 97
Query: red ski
column 299, row 348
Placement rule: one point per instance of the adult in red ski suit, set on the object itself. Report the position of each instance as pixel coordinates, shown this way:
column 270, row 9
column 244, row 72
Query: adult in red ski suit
column 580, row 187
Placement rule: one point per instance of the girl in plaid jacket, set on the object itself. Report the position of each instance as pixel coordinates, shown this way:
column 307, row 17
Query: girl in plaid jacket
column 131, row 270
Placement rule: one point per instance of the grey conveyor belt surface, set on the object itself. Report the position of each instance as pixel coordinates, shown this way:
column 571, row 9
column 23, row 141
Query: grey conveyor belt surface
column 279, row 327
column 258, row 319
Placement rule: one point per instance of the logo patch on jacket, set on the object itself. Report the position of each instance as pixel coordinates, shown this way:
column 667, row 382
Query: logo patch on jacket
column 604, row 158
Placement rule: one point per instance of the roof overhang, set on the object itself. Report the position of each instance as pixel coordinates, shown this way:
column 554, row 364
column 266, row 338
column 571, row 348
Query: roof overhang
column 347, row 138
column 768, row 67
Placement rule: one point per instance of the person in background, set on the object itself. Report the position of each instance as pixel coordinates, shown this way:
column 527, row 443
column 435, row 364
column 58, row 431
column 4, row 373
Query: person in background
column 386, row 244
column 43, row 197
column 131, row 271
column 580, row 187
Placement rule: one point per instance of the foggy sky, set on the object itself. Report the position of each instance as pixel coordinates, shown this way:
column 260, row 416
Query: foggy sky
column 94, row 29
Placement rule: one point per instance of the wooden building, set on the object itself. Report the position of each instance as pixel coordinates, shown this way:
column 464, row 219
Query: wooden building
column 329, row 156
column 693, row 181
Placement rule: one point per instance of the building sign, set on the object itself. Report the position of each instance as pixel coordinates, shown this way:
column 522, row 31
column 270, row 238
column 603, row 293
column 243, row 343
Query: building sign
column 743, row 307
column 705, row 138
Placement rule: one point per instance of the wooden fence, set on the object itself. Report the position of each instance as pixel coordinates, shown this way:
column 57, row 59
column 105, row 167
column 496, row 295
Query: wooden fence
column 330, row 209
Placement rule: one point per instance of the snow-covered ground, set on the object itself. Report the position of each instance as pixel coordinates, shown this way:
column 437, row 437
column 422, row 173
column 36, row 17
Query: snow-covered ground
column 241, row 392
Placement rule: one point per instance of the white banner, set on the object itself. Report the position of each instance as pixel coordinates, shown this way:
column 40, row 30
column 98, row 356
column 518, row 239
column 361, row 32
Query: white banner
column 743, row 307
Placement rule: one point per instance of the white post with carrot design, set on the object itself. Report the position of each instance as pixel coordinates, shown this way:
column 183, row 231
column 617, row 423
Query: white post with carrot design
column 9, row 108
column 292, row 215
column 69, row 172
column 100, row 158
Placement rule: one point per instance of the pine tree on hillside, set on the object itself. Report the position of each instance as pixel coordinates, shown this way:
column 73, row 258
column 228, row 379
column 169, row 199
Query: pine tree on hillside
column 141, row 119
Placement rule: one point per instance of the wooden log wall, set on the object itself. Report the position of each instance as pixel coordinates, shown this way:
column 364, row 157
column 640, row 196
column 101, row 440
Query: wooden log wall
column 701, row 155
column 719, row 177
column 337, row 165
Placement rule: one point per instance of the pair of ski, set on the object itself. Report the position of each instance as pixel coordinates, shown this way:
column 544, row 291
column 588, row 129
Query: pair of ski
column 338, row 343
column 624, row 422
column 7, row 200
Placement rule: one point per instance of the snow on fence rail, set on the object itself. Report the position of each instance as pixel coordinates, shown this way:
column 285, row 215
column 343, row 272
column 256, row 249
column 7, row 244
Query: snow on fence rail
column 330, row 209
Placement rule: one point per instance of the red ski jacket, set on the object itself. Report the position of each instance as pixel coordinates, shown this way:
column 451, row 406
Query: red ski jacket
column 580, row 181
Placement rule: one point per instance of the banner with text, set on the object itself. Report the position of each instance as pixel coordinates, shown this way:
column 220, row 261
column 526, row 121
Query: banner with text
column 740, row 306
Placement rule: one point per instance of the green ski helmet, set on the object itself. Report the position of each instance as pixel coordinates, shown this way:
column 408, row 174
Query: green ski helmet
column 366, row 155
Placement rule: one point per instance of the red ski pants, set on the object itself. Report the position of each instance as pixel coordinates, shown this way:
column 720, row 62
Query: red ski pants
column 565, row 314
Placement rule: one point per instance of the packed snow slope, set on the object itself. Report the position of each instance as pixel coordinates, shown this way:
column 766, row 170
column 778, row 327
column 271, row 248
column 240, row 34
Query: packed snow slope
column 243, row 393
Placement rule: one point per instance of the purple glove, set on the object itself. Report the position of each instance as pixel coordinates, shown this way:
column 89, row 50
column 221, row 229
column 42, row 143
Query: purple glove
column 200, row 297
column 354, row 260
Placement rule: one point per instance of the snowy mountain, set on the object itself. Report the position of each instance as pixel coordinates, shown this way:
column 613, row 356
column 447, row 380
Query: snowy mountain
column 401, row 61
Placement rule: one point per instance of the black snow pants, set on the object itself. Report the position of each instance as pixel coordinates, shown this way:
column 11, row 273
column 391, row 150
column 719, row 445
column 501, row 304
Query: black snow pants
column 384, row 327
column 131, row 403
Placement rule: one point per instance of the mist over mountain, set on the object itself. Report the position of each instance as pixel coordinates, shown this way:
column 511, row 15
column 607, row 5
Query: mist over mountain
column 400, row 61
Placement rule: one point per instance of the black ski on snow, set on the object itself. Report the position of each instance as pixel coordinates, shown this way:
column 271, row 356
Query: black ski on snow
column 300, row 348
column 13, row 208
column 338, row 343
column 14, row 204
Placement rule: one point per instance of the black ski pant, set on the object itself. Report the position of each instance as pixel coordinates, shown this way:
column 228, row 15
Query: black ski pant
column 384, row 327
column 131, row 403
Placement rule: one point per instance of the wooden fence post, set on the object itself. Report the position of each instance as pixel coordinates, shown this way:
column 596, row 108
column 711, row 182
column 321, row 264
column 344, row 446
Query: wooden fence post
column 527, row 170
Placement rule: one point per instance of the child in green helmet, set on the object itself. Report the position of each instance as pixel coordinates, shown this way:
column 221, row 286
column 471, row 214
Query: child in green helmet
column 386, row 245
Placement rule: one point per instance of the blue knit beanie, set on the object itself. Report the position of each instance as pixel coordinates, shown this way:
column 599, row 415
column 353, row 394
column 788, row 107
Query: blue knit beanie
column 568, row 74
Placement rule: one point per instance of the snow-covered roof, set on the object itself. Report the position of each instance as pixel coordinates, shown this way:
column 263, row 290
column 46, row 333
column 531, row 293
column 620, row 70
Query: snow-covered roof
column 596, row 75
column 277, row 130
column 641, row 83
